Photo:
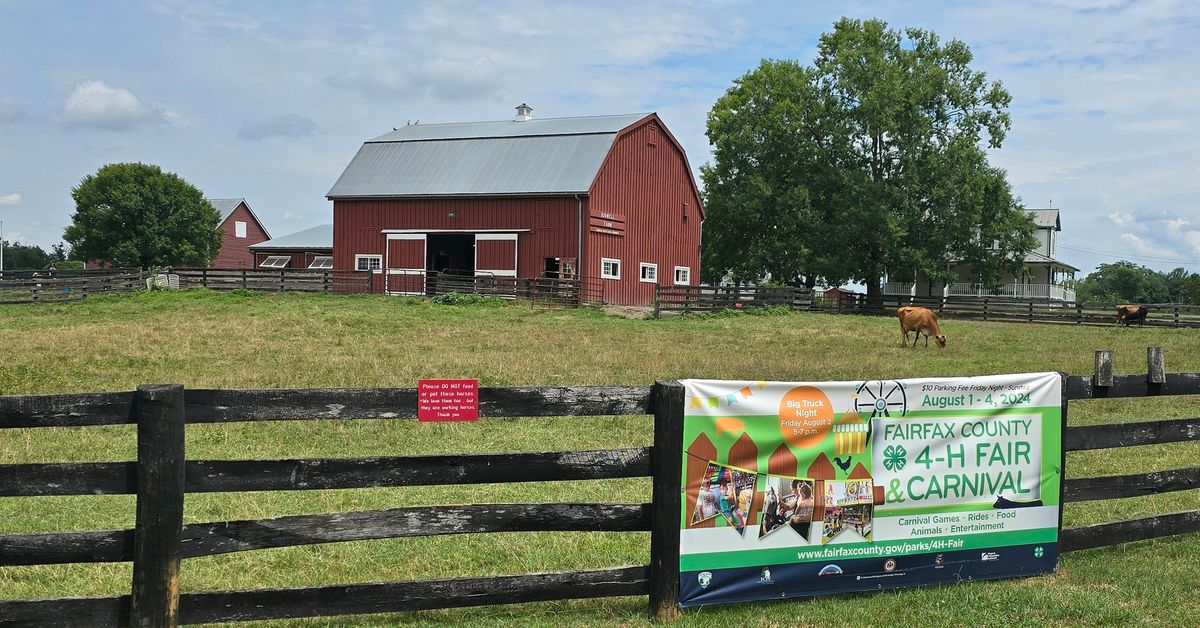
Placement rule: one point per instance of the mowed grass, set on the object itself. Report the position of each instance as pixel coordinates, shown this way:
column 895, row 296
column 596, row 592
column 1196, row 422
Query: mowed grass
column 208, row 340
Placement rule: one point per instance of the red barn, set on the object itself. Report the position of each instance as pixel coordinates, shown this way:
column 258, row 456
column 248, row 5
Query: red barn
column 241, row 228
column 605, row 197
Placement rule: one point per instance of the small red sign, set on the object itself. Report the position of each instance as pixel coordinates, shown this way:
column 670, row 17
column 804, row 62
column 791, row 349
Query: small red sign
column 447, row 400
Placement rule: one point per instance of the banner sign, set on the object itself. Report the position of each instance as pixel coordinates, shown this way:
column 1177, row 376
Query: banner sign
column 447, row 400
column 799, row 489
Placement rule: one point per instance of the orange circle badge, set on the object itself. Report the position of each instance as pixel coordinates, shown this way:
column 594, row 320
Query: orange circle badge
column 805, row 416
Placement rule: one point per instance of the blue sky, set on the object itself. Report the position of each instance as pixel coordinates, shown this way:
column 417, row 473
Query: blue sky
column 270, row 100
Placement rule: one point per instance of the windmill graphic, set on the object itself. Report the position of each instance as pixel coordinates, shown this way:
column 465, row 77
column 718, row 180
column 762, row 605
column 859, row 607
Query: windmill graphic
column 870, row 397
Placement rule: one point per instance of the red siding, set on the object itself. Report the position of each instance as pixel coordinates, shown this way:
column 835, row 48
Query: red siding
column 234, row 251
column 358, row 225
column 640, row 191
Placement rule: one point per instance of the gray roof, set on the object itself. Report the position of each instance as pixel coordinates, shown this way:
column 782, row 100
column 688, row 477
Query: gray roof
column 1045, row 218
column 1038, row 258
column 319, row 237
column 226, row 207
column 550, row 156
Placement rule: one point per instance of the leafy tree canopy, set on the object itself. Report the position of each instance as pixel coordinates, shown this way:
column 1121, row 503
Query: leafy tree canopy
column 19, row 256
column 871, row 160
column 135, row 214
column 1127, row 282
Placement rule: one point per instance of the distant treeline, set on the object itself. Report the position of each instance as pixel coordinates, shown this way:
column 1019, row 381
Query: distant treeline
column 1127, row 282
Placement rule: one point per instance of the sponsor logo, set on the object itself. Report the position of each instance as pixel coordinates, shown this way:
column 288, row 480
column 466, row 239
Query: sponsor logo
column 830, row 570
column 704, row 578
column 989, row 556
column 764, row 577
column 889, row 565
column 939, row 560
column 1038, row 552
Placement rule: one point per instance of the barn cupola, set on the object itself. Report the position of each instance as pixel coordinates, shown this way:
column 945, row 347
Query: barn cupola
column 524, row 112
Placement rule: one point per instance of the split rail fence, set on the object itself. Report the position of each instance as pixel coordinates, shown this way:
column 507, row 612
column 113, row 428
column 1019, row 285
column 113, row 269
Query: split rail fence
column 162, row 475
column 66, row 286
column 695, row 299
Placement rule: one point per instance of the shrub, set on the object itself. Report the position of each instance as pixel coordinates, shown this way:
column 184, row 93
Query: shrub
column 477, row 300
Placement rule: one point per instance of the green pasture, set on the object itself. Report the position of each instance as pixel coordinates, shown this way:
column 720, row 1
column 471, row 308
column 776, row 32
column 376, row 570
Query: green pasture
column 243, row 340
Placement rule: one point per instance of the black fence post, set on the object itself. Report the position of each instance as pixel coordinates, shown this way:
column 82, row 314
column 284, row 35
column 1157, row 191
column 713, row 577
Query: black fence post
column 657, row 300
column 666, row 464
column 154, row 601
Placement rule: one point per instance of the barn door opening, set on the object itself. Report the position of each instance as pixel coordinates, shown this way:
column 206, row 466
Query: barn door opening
column 405, row 263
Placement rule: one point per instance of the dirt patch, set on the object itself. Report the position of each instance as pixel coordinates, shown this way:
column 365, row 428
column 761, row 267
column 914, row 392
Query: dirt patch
column 638, row 312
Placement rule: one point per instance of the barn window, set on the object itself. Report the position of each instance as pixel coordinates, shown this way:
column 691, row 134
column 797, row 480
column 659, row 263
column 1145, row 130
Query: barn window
column 275, row 261
column 648, row 272
column 610, row 268
column 683, row 275
column 368, row 262
column 322, row 262
column 239, row 228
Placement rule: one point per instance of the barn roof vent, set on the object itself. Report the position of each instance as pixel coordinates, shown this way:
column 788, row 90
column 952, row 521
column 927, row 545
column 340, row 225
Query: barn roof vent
column 524, row 112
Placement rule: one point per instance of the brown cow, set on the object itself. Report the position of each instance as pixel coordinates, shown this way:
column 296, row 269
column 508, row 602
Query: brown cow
column 1131, row 313
column 921, row 320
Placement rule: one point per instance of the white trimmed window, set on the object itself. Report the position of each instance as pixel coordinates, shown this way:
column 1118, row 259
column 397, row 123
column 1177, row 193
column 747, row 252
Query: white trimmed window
column 322, row 262
column 368, row 262
column 239, row 228
column 648, row 272
column 683, row 276
column 276, row 261
column 610, row 268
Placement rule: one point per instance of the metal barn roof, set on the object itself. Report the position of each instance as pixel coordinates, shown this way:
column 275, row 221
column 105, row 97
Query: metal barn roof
column 319, row 237
column 551, row 156
column 226, row 205
column 1045, row 218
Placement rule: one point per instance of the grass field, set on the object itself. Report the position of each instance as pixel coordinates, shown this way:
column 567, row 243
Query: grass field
column 204, row 339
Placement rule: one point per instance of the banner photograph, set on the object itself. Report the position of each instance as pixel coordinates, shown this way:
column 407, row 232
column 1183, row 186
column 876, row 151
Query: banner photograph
column 800, row 489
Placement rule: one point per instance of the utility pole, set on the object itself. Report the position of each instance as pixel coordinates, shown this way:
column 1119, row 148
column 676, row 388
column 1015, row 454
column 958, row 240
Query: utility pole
column 1, row 249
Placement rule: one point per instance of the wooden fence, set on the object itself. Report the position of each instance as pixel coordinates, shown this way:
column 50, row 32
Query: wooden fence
column 66, row 286
column 161, row 476
column 278, row 280
column 1021, row 310
column 688, row 299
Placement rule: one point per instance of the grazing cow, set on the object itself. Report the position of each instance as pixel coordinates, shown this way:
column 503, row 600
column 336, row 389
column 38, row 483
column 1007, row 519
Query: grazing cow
column 1130, row 313
column 921, row 320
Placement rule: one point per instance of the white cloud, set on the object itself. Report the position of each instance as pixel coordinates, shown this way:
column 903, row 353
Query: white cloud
column 1120, row 219
column 1175, row 227
column 10, row 199
column 98, row 105
column 1146, row 248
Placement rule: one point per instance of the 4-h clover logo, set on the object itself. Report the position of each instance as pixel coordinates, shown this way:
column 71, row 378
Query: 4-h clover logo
column 893, row 458
column 1038, row 552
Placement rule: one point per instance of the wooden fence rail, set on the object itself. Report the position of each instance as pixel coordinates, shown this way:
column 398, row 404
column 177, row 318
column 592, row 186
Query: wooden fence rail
column 65, row 286
column 161, row 476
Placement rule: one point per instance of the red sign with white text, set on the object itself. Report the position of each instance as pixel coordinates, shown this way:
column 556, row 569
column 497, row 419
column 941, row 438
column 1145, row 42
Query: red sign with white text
column 447, row 400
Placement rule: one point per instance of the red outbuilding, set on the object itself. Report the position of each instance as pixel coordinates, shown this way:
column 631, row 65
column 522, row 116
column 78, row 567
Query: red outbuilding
column 309, row 249
column 604, row 197
column 241, row 228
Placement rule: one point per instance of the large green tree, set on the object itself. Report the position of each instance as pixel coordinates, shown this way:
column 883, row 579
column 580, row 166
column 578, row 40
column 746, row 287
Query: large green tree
column 869, row 161
column 19, row 256
column 135, row 214
column 1128, row 282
